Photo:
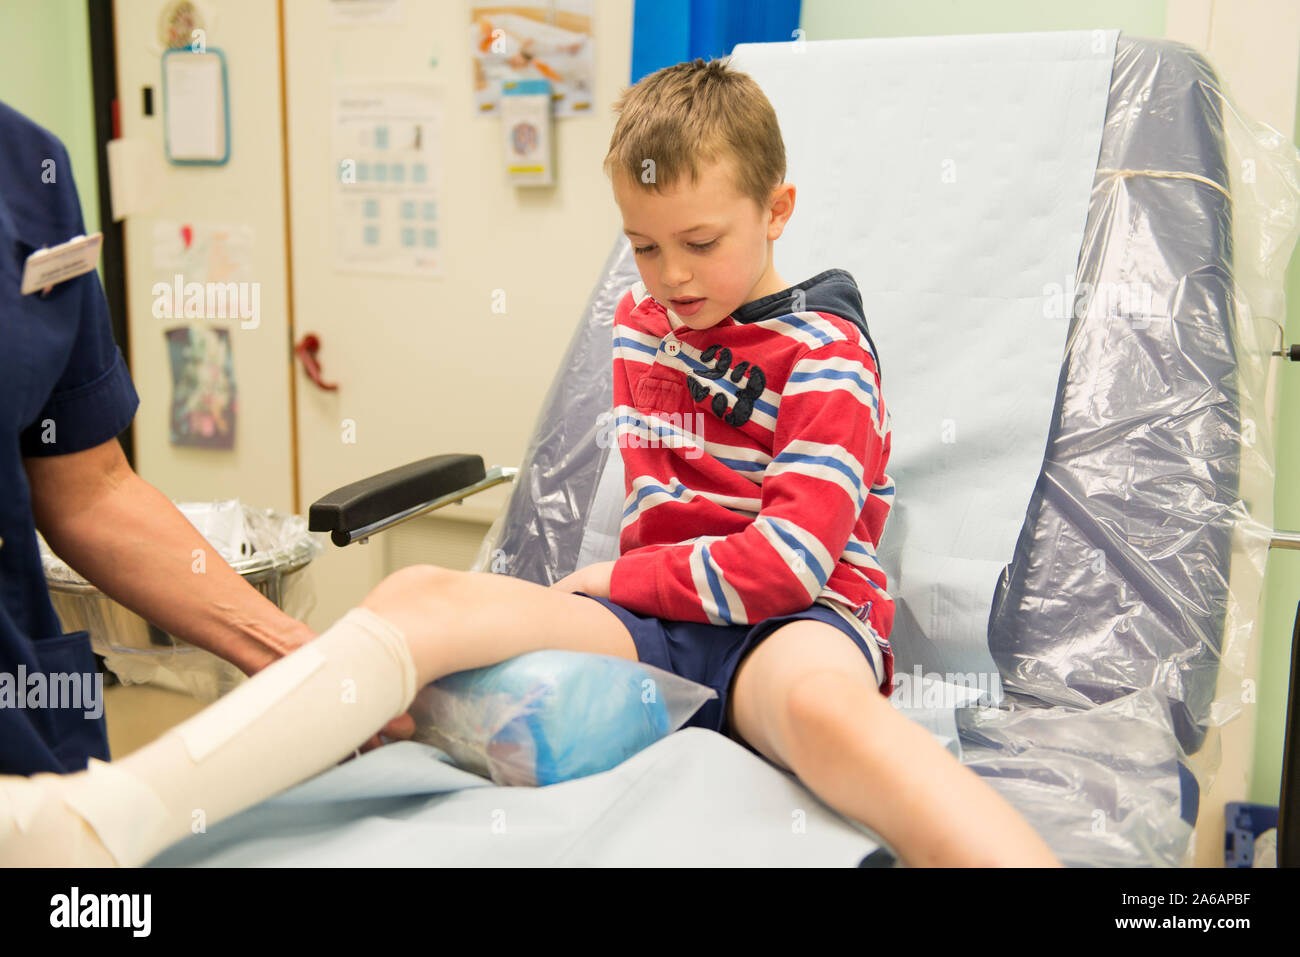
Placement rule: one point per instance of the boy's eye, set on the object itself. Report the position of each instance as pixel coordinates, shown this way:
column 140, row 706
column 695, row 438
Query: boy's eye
column 641, row 250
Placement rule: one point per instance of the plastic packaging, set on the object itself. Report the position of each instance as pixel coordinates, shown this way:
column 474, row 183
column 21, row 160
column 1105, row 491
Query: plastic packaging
column 1107, row 786
column 551, row 716
column 270, row 549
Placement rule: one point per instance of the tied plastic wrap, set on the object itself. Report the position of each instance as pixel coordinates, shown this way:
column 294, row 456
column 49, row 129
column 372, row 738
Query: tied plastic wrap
column 552, row 716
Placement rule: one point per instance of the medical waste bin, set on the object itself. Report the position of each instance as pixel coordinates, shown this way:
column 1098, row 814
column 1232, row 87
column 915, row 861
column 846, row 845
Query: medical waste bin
column 271, row 550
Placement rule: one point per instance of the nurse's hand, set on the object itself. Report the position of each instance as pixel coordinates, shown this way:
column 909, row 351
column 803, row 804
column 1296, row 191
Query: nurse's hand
column 593, row 579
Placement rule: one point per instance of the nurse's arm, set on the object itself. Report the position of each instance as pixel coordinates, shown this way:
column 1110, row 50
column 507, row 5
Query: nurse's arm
column 130, row 541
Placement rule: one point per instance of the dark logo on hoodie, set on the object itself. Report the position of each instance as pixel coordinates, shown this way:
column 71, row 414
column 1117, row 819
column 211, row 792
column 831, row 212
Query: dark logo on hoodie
column 745, row 398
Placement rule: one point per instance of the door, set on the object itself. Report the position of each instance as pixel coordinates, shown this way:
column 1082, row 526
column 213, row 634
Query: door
column 211, row 225
column 459, row 361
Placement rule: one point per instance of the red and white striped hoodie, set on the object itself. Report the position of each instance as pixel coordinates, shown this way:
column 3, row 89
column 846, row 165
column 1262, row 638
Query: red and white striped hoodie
column 754, row 457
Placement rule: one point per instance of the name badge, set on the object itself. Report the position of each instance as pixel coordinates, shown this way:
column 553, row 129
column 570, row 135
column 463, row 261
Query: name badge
column 49, row 267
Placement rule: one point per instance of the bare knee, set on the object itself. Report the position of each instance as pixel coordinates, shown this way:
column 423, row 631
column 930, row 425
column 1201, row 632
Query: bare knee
column 820, row 703
column 422, row 575
column 414, row 592
column 417, row 579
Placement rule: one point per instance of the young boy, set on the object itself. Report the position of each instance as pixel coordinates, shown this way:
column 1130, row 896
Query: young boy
column 749, row 533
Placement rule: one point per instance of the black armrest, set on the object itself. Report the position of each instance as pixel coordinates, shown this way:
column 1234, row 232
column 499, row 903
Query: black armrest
column 381, row 496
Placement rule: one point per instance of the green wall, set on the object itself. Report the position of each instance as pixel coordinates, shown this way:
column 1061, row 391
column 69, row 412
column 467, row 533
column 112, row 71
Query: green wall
column 45, row 75
column 1282, row 581
column 832, row 19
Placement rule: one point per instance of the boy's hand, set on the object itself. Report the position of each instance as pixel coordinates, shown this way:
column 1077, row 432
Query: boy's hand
column 594, row 580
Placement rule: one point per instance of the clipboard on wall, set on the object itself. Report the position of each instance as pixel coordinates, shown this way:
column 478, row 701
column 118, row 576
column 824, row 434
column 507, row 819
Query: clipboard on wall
column 196, row 107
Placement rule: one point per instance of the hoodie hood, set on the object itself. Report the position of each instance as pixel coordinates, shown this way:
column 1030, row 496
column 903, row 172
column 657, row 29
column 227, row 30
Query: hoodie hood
column 833, row 291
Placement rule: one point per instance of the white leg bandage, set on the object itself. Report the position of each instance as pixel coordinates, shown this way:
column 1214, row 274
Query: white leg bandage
column 292, row 720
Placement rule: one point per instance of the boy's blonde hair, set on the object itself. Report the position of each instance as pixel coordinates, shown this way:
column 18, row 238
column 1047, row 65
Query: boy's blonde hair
column 689, row 114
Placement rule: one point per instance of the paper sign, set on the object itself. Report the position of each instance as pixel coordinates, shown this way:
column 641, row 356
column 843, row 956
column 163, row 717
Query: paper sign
column 134, row 176
column 195, row 106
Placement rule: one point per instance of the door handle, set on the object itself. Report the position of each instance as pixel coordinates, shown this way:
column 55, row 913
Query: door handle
column 306, row 350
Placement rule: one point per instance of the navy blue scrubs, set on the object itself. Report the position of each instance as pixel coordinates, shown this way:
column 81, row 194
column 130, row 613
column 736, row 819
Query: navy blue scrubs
column 64, row 388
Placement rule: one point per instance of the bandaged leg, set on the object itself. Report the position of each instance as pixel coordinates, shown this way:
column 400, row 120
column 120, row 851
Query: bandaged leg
column 292, row 720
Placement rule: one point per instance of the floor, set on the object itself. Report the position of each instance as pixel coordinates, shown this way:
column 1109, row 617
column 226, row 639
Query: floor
column 136, row 714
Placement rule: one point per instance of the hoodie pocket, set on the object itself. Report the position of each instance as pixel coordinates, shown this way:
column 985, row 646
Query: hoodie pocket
column 660, row 391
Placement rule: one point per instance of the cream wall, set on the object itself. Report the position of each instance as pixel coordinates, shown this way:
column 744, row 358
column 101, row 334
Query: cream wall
column 1255, row 46
column 425, row 366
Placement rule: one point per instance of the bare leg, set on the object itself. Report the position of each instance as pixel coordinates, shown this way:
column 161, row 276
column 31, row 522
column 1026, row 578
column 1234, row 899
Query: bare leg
column 457, row 620
column 807, row 699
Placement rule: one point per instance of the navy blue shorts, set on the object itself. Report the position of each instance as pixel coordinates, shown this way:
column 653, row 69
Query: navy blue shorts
column 711, row 654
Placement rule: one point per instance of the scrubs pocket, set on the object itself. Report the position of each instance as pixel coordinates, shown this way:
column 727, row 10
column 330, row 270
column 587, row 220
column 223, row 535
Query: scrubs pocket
column 72, row 736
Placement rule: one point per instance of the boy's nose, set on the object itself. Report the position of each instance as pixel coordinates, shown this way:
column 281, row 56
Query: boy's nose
column 675, row 274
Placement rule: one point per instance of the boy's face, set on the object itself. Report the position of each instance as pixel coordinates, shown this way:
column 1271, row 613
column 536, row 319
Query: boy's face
column 703, row 242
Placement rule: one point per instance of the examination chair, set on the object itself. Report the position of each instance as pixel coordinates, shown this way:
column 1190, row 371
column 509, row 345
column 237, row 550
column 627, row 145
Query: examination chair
column 1084, row 494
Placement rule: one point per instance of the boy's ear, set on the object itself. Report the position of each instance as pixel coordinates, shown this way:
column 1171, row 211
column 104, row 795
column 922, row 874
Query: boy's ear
column 781, row 209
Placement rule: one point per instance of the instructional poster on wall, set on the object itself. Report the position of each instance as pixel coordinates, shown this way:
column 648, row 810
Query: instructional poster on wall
column 534, row 40
column 387, row 167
